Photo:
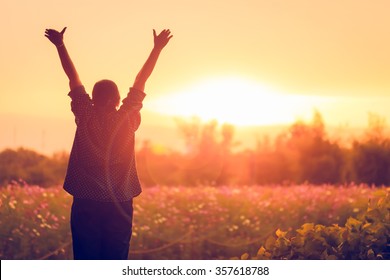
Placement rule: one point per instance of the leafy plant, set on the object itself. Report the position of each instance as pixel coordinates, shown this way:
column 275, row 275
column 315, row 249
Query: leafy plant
column 364, row 237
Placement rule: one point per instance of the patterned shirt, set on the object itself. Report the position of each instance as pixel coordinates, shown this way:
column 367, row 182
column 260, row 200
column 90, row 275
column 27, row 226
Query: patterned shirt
column 102, row 162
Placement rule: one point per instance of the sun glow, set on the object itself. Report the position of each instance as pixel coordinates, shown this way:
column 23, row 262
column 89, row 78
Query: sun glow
column 236, row 101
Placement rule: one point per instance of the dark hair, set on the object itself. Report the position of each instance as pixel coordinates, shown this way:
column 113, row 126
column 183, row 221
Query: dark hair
column 105, row 93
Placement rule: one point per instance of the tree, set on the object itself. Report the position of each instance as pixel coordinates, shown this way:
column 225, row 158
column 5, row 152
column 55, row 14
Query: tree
column 31, row 167
column 371, row 156
column 209, row 150
column 302, row 153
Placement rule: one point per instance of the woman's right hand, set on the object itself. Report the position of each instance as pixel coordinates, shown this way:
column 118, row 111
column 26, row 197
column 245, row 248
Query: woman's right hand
column 162, row 39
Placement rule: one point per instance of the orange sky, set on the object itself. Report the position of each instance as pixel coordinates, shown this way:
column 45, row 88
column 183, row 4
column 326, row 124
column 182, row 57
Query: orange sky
column 331, row 55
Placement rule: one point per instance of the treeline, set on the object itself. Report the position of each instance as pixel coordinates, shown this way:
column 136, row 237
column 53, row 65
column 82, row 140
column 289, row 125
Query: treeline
column 302, row 153
column 27, row 166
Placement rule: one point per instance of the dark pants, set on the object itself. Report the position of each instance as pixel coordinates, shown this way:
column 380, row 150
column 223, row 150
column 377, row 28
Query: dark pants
column 101, row 230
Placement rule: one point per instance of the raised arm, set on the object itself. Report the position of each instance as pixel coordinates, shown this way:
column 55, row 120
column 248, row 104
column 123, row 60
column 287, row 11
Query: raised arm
column 57, row 38
column 160, row 41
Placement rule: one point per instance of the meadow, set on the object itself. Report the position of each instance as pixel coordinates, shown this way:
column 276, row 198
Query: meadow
column 208, row 222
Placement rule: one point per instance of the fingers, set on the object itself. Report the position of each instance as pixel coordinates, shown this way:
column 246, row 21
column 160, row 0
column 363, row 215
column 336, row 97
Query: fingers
column 53, row 31
column 166, row 33
column 54, row 36
column 48, row 33
column 154, row 33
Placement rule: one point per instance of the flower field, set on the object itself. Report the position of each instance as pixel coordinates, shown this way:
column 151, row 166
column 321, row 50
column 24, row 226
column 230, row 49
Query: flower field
column 192, row 223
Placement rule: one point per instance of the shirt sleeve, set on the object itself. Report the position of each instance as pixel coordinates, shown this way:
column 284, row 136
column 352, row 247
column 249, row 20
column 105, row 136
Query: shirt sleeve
column 81, row 103
column 132, row 106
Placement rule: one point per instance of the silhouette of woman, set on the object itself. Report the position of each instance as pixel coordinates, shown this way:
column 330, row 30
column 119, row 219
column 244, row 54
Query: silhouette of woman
column 102, row 175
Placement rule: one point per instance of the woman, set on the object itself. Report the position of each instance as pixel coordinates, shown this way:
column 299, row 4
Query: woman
column 102, row 175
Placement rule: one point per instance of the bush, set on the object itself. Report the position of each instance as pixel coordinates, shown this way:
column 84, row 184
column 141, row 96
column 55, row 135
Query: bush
column 361, row 238
column 31, row 167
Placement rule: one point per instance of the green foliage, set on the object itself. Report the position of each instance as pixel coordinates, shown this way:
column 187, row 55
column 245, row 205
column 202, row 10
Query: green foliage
column 31, row 167
column 364, row 237
column 173, row 222
column 207, row 159
column 371, row 162
column 303, row 153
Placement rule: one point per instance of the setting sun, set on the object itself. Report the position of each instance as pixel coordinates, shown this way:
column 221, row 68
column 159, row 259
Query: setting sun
column 236, row 101
column 275, row 63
